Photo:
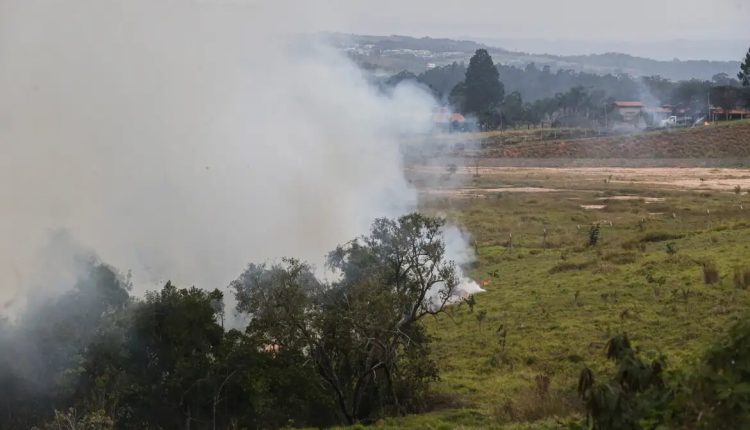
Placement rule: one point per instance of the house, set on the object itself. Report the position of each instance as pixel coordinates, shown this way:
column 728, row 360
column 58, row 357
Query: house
column 629, row 111
column 721, row 114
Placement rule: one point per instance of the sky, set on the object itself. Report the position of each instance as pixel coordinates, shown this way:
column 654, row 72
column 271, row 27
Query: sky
column 711, row 29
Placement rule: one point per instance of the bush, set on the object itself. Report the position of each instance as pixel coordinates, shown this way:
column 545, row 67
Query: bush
column 710, row 272
column 538, row 402
column 717, row 393
column 742, row 277
column 594, row 233
column 627, row 399
column 620, row 257
column 659, row 236
column 569, row 266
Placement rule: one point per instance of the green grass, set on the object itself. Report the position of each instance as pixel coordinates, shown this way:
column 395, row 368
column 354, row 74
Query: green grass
column 560, row 302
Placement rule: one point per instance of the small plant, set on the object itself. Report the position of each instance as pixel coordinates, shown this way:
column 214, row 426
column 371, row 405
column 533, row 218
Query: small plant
column 502, row 335
column 594, row 234
column 541, row 386
column 742, row 277
column 710, row 272
column 577, row 299
column 481, row 316
column 642, row 224
column 671, row 248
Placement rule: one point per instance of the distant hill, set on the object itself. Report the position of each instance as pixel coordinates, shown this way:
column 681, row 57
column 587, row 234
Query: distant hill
column 392, row 54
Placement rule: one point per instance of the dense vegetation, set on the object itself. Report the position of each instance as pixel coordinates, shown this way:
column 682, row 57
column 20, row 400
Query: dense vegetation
column 315, row 353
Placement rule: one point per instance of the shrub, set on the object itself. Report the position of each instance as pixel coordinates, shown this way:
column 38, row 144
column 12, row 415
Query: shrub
column 620, row 257
column 716, row 394
column 710, row 272
column 742, row 277
column 659, row 236
column 569, row 266
column 634, row 244
column 537, row 402
column 630, row 396
column 594, row 233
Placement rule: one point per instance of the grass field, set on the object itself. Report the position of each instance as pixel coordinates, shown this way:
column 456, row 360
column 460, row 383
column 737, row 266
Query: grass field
column 553, row 301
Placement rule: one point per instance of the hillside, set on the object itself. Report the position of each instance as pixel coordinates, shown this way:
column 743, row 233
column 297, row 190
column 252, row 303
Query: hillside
column 396, row 53
column 716, row 141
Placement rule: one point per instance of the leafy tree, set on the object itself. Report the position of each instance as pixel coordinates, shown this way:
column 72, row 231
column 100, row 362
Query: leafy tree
column 362, row 335
column 744, row 73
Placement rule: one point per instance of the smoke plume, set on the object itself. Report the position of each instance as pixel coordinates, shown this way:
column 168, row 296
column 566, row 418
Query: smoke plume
column 182, row 140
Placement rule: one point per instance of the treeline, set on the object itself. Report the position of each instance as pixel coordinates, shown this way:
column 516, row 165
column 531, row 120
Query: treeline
column 569, row 98
column 314, row 353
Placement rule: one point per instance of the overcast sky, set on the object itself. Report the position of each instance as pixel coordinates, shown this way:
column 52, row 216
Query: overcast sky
column 637, row 22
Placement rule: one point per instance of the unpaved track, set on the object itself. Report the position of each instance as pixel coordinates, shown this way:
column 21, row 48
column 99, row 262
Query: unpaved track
column 689, row 178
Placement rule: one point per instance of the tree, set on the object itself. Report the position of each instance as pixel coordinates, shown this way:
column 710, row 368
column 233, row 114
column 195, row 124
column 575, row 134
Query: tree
column 482, row 90
column 513, row 108
column 362, row 334
column 744, row 74
column 40, row 357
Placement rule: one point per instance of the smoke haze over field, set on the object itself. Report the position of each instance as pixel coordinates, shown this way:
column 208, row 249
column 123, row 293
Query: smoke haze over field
column 184, row 140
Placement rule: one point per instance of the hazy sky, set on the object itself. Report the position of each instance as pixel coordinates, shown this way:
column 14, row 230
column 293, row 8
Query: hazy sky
column 632, row 26
column 631, row 20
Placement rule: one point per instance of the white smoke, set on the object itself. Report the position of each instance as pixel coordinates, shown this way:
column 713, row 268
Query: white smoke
column 182, row 140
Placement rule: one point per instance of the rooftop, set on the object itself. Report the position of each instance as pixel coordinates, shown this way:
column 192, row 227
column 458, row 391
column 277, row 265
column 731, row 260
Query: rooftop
column 631, row 104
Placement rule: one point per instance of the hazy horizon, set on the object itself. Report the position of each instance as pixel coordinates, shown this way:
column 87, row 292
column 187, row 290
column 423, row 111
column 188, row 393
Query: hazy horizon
column 652, row 29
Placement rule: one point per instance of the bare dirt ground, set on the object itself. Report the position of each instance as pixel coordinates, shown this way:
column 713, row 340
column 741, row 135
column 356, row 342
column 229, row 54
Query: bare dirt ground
column 550, row 179
column 680, row 178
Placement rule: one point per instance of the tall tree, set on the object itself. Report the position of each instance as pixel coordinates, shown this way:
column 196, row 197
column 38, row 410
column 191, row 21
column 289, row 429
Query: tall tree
column 482, row 90
column 744, row 74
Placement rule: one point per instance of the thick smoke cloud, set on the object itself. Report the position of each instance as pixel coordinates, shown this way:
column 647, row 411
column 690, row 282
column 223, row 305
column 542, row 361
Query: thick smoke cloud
column 182, row 140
